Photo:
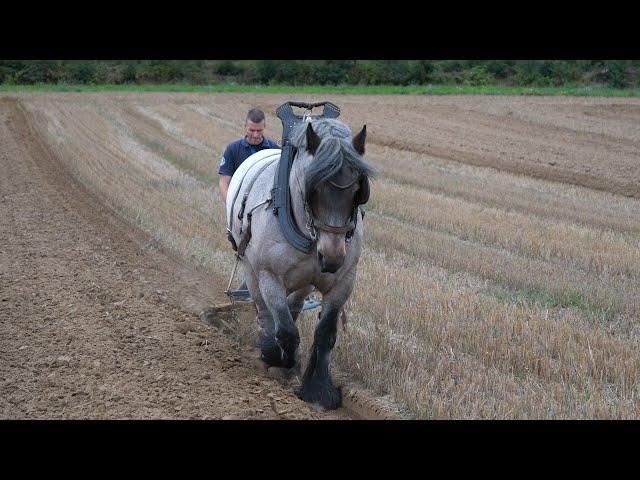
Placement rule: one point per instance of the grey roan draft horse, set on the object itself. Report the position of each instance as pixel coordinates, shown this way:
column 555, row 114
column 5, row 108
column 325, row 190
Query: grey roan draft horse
column 329, row 179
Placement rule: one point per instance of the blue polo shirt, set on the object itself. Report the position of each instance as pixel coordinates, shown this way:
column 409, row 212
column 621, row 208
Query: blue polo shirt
column 238, row 151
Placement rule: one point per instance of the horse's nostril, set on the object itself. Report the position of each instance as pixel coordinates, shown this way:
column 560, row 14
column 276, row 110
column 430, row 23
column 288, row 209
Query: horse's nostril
column 320, row 257
column 329, row 269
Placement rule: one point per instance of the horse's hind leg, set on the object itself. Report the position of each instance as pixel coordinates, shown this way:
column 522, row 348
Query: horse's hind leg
column 270, row 351
column 264, row 318
column 279, row 347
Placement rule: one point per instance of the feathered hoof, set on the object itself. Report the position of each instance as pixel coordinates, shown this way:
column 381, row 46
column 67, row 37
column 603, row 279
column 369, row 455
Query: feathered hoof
column 323, row 395
column 274, row 356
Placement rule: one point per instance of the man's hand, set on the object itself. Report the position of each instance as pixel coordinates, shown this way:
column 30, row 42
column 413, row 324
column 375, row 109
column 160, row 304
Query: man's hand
column 225, row 180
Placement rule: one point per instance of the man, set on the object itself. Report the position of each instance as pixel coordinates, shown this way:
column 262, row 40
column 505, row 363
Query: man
column 238, row 151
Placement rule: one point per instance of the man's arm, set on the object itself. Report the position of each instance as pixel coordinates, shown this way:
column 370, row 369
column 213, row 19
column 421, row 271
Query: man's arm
column 225, row 180
column 226, row 170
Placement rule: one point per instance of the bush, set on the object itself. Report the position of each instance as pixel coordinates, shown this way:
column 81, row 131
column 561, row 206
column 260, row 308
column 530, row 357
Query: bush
column 6, row 75
column 159, row 71
column 106, row 74
column 479, row 77
column 227, row 67
column 38, row 71
column 545, row 82
column 84, row 72
column 616, row 74
column 421, row 72
column 392, row 72
column 332, row 72
column 360, row 74
column 526, row 73
column 129, row 73
column 557, row 73
column 499, row 68
column 265, row 71
column 568, row 72
column 276, row 71
column 451, row 66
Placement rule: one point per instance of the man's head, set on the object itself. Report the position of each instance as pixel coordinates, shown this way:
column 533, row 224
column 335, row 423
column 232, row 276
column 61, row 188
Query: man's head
column 254, row 125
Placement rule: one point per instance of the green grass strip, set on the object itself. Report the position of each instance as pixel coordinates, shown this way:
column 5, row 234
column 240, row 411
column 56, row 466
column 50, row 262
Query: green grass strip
column 330, row 89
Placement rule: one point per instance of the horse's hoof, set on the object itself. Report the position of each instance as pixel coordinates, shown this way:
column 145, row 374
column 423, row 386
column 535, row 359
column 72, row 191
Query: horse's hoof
column 274, row 356
column 288, row 343
column 289, row 373
column 324, row 395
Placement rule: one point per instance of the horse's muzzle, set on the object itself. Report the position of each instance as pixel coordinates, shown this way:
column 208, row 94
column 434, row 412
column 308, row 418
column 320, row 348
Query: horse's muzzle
column 327, row 266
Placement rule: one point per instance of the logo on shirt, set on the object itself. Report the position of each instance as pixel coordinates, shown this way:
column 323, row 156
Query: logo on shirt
column 222, row 161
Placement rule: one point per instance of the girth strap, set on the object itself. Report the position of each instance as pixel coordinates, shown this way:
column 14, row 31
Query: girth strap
column 246, row 237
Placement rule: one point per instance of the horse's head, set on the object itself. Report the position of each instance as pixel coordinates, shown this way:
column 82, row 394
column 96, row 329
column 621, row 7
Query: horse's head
column 335, row 183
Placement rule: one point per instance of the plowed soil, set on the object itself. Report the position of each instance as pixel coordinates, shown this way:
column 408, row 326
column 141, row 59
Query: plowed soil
column 98, row 321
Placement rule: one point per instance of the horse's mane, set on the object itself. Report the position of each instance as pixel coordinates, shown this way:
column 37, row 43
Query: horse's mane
column 334, row 152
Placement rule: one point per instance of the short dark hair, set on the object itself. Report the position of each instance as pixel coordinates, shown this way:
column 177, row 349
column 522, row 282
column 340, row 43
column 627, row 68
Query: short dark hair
column 255, row 115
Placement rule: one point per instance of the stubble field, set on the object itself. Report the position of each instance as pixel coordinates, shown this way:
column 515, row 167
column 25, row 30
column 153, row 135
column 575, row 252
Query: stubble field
column 501, row 266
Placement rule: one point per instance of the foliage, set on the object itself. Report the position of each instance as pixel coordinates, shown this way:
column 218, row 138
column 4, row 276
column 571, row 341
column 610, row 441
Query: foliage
column 129, row 73
column 616, row 74
column 84, row 72
column 227, row 67
column 517, row 73
column 478, row 76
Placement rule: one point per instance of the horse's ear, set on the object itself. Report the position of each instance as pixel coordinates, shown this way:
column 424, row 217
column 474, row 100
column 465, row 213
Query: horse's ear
column 358, row 140
column 313, row 140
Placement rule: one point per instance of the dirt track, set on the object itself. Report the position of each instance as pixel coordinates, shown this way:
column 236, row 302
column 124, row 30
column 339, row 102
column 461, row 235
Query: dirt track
column 97, row 321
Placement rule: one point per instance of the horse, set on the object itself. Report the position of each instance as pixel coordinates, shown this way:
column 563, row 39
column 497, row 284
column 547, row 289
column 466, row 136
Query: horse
column 328, row 181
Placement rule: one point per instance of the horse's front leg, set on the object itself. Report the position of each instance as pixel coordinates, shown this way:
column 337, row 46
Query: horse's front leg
column 280, row 349
column 317, row 386
column 296, row 301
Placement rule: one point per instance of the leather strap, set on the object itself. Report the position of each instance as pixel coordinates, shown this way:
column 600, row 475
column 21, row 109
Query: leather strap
column 282, row 203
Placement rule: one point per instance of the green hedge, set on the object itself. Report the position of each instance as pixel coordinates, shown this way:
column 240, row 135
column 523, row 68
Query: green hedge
column 517, row 73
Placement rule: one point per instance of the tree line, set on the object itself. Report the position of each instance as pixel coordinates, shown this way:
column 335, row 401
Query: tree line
column 539, row 73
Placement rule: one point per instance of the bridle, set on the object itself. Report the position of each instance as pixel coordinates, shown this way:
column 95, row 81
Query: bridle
column 313, row 224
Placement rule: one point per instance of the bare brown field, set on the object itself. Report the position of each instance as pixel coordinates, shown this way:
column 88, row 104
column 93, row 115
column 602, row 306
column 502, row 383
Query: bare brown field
column 98, row 320
column 501, row 267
